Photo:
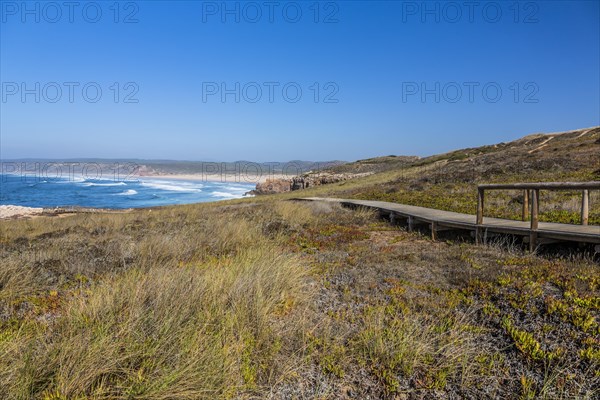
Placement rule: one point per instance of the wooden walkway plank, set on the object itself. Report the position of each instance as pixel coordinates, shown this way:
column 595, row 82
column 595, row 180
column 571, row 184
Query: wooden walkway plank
column 448, row 219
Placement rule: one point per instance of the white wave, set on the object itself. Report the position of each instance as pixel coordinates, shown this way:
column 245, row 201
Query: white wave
column 37, row 183
column 104, row 184
column 226, row 195
column 173, row 186
column 129, row 192
column 70, row 179
column 237, row 188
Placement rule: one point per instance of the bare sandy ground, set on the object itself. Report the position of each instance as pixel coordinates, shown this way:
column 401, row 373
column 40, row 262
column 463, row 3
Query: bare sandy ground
column 7, row 211
column 231, row 178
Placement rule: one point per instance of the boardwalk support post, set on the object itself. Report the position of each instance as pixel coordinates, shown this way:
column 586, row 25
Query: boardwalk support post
column 535, row 208
column 411, row 224
column 480, row 207
column 525, row 211
column 585, row 207
column 531, row 199
column 434, row 227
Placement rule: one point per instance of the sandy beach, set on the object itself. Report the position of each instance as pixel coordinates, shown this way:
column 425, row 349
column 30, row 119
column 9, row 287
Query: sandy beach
column 8, row 211
column 231, row 178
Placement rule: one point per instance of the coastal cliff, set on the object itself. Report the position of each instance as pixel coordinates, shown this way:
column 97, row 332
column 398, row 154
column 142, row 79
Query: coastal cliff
column 281, row 185
column 333, row 174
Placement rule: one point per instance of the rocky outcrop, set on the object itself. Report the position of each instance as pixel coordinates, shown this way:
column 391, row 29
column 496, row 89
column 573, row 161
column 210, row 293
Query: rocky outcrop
column 310, row 180
column 281, row 185
column 272, row 186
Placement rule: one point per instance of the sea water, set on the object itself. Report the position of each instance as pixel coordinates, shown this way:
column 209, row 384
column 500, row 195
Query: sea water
column 34, row 191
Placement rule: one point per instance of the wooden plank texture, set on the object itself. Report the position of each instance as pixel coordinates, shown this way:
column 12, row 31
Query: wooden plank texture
column 440, row 219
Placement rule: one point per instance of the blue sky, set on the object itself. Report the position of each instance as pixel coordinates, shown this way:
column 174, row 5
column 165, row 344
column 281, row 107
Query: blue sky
column 376, row 78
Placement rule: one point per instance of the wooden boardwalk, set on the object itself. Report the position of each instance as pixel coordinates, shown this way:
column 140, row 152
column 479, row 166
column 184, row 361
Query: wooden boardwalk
column 439, row 220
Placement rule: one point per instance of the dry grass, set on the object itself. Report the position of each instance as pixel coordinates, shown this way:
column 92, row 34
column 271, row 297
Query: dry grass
column 261, row 298
column 185, row 305
column 158, row 332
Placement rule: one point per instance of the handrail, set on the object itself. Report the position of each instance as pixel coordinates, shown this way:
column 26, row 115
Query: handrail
column 542, row 185
column 532, row 191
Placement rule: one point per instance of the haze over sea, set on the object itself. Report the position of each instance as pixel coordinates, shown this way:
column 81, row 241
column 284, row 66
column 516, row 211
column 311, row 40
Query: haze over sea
column 35, row 191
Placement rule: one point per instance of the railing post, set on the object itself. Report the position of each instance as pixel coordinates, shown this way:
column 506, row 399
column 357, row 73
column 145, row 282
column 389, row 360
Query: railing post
column 535, row 208
column 479, row 221
column 525, row 211
column 585, row 207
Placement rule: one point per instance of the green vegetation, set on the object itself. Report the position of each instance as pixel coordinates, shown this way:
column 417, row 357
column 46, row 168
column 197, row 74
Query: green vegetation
column 263, row 297
column 251, row 298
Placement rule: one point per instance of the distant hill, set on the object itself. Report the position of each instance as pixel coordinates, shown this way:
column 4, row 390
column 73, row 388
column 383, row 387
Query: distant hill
column 449, row 181
column 574, row 153
column 372, row 165
column 274, row 167
column 143, row 167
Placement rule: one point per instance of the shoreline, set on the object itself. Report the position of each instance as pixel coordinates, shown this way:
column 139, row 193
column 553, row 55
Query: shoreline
column 8, row 211
column 11, row 211
column 219, row 178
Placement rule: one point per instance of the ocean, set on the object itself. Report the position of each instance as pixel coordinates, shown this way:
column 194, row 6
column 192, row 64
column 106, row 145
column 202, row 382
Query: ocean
column 34, row 191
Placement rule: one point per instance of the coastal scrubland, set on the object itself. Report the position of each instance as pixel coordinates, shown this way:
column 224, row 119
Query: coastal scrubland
column 266, row 297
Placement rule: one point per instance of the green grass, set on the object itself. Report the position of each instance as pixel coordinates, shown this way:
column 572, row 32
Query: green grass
column 174, row 304
column 257, row 297
column 262, row 297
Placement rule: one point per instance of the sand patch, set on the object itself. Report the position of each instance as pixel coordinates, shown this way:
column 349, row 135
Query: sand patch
column 8, row 211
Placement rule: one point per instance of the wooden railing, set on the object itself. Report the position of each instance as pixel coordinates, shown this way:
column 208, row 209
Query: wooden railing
column 531, row 191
